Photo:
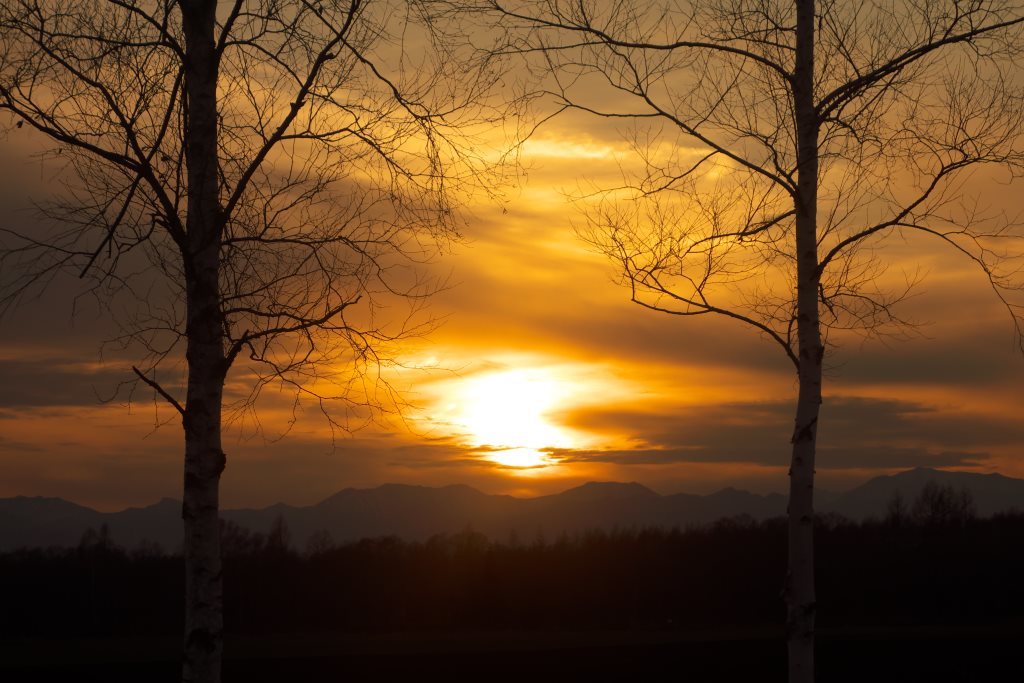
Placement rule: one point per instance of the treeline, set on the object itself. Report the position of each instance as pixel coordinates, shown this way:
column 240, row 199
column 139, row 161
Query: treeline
column 930, row 561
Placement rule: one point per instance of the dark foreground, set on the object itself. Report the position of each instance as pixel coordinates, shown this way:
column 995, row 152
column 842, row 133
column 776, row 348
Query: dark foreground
column 868, row 655
column 930, row 596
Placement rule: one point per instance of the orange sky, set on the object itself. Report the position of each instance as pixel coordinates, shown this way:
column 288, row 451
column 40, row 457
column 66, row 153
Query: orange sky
column 542, row 376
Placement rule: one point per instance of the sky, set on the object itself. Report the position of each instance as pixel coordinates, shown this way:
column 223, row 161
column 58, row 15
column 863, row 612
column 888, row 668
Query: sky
column 540, row 353
column 541, row 376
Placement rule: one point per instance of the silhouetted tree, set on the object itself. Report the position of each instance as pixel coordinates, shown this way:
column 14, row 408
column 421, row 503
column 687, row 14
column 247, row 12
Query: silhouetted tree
column 319, row 543
column 238, row 540
column 93, row 541
column 781, row 143
column 263, row 177
column 896, row 512
column 279, row 539
column 941, row 505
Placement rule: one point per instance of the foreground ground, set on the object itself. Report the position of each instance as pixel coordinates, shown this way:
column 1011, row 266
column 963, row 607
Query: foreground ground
column 978, row 654
column 920, row 598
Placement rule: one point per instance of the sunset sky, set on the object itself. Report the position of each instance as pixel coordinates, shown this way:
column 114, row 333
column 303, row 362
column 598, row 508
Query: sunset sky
column 542, row 376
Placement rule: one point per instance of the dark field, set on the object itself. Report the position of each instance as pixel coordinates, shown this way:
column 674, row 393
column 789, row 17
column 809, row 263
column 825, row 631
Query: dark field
column 982, row 655
column 901, row 600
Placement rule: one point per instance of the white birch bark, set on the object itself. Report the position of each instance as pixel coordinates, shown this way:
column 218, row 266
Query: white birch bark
column 204, row 458
column 799, row 590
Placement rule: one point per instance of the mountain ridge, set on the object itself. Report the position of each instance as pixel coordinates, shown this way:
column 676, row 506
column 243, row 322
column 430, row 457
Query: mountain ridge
column 416, row 512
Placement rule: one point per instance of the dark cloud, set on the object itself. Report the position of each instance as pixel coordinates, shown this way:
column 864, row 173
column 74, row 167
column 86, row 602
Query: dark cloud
column 851, row 420
column 46, row 383
column 969, row 357
column 15, row 446
column 886, row 457
column 855, row 433
column 833, row 458
column 639, row 456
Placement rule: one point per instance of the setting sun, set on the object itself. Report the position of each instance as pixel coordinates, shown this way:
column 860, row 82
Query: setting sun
column 510, row 411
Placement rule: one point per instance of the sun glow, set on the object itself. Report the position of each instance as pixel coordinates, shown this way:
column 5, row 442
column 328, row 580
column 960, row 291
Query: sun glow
column 509, row 411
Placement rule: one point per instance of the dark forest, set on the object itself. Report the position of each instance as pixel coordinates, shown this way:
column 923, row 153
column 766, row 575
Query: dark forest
column 931, row 564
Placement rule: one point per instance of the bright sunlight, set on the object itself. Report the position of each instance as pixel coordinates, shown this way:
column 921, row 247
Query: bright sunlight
column 509, row 410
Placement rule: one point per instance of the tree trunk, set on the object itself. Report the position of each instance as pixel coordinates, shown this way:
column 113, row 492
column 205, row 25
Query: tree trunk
column 204, row 458
column 799, row 591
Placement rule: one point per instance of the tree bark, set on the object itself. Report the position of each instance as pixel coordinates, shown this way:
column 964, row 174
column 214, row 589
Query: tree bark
column 204, row 458
column 799, row 590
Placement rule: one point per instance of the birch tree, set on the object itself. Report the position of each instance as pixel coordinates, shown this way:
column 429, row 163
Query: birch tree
column 265, row 176
column 783, row 145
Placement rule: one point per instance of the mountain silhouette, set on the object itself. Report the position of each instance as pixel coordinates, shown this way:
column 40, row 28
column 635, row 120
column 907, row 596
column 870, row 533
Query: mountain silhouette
column 992, row 493
column 418, row 512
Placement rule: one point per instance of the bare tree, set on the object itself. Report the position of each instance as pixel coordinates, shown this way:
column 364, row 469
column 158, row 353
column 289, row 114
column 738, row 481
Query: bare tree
column 782, row 144
column 944, row 506
column 262, row 177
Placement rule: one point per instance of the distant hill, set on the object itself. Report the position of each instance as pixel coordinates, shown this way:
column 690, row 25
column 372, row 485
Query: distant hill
column 992, row 492
column 418, row 512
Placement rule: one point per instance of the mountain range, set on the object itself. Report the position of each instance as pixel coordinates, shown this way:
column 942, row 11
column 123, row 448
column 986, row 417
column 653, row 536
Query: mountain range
column 418, row 512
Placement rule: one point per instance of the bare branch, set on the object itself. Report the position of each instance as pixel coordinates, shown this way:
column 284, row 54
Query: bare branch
column 153, row 384
column 603, row 38
column 846, row 92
